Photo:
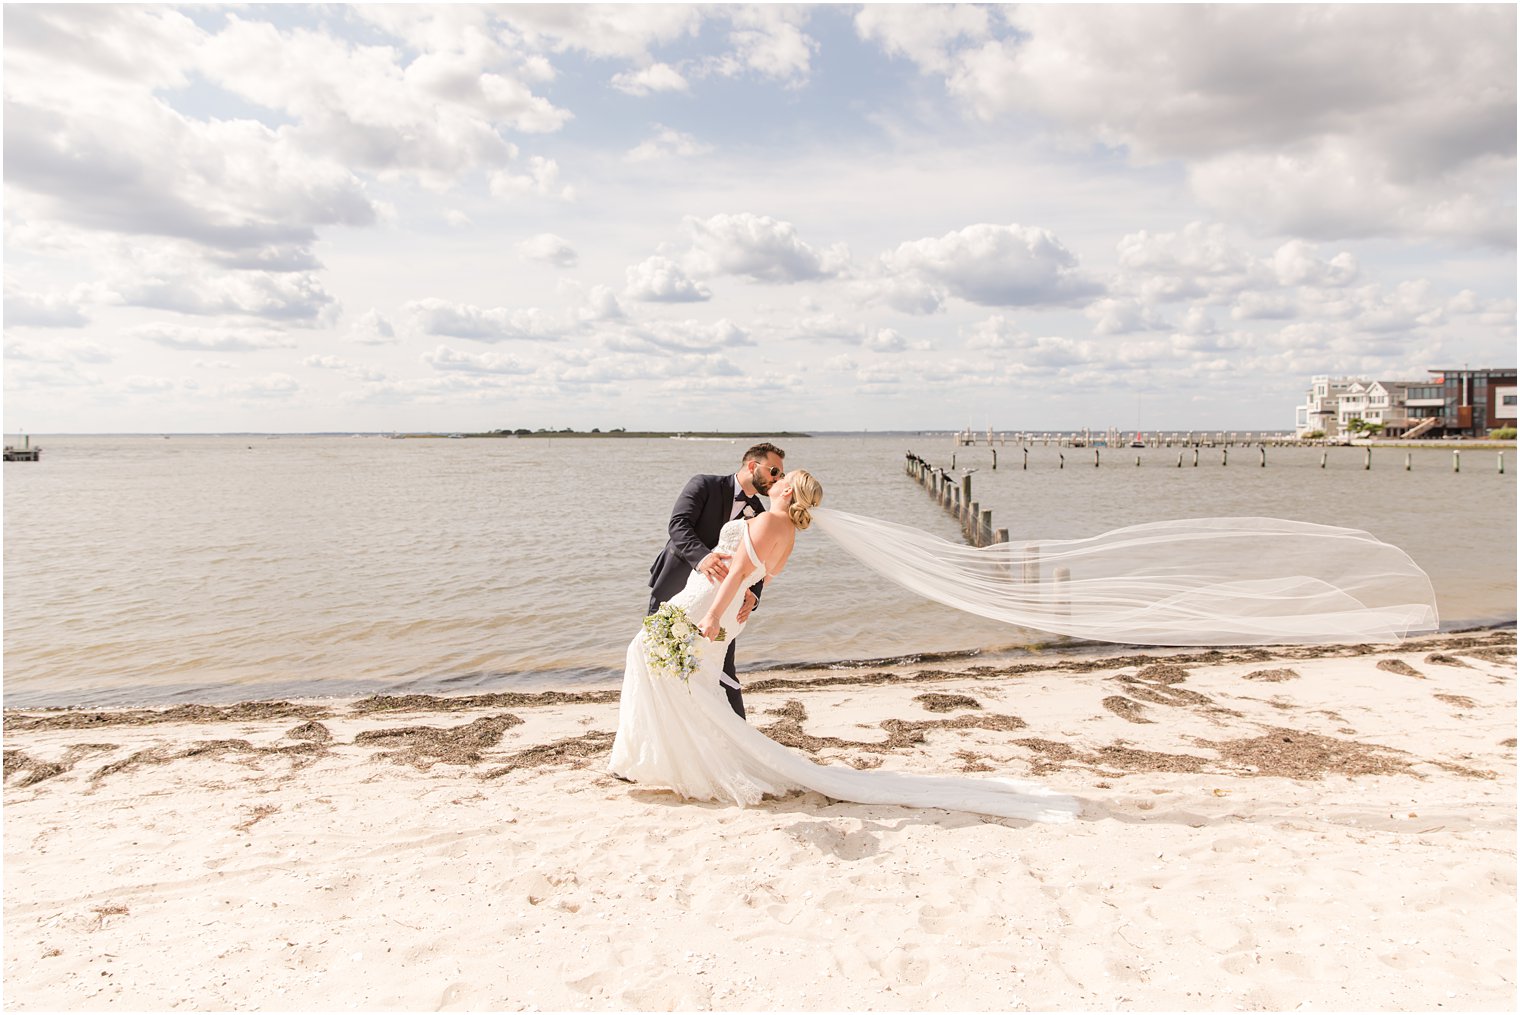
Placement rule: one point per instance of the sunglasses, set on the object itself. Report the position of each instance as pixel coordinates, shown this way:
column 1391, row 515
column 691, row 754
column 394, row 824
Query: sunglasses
column 775, row 472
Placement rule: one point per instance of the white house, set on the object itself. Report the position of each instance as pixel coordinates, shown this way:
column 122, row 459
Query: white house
column 1320, row 408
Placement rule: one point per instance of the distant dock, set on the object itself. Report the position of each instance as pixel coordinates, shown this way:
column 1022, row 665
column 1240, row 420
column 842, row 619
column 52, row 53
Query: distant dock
column 25, row 453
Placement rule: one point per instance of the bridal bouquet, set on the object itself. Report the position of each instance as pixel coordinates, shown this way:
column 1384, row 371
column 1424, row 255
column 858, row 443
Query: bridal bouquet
column 670, row 638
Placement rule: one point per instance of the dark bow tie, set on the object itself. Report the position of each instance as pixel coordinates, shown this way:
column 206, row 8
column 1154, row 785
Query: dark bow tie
column 741, row 495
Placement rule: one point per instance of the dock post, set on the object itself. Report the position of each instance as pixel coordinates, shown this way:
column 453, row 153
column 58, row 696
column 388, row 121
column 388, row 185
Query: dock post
column 1224, row 456
column 970, row 521
column 1063, row 459
column 987, row 539
column 1031, row 564
column 1408, row 460
column 1179, row 459
column 1095, row 458
column 965, row 491
column 1000, row 536
column 994, row 459
column 1501, row 463
column 1324, row 456
column 1456, row 461
column 1263, row 456
column 952, row 459
column 1137, row 461
column 1195, row 458
column 1367, row 463
column 1061, row 576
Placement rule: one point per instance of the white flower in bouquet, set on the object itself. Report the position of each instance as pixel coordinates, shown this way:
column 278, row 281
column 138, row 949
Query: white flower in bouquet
column 670, row 642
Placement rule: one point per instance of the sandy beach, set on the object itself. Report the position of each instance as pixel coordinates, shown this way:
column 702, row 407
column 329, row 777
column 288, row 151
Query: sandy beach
column 1282, row 828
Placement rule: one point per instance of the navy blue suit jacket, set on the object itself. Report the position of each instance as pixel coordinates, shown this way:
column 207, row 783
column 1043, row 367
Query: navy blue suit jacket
column 700, row 513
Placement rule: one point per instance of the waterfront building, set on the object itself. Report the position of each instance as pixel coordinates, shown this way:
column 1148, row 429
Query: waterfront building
column 1451, row 403
column 1321, row 406
column 1381, row 402
column 1469, row 403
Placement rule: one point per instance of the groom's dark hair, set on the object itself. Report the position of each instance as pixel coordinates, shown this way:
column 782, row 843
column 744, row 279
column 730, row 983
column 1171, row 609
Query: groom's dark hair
column 759, row 451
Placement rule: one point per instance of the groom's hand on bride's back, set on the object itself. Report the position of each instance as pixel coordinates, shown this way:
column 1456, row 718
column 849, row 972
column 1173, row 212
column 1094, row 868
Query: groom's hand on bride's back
column 714, row 566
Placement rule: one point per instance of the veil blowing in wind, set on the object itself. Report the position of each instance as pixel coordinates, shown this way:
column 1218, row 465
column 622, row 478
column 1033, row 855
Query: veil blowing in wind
column 1199, row 581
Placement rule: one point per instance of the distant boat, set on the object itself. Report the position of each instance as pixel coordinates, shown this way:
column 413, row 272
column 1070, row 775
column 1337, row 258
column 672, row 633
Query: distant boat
column 1138, row 442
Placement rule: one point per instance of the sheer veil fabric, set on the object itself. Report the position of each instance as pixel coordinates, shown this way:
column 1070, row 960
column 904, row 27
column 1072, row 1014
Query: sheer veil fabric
column 1199, row 581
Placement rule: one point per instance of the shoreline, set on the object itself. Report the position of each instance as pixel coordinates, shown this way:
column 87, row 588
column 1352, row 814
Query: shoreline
column 1007, row 659
column 1330, row 826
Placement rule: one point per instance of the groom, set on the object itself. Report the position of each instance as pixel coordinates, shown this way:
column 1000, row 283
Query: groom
column 704, row 507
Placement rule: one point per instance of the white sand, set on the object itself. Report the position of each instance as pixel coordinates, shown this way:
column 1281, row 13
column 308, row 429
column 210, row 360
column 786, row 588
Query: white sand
column 341, row 880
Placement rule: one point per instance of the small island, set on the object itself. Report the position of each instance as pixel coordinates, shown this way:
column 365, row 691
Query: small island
column 695, row 435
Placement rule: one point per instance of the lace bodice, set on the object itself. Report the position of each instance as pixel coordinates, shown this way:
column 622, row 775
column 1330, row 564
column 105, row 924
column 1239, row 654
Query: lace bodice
column 699, row 593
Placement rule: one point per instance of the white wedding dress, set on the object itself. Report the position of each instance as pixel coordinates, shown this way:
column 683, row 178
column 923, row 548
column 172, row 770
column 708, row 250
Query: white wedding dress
column 684, row 736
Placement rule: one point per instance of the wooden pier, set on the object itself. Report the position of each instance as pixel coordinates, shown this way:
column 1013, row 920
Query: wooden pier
column 26, row 453
column 955, row 498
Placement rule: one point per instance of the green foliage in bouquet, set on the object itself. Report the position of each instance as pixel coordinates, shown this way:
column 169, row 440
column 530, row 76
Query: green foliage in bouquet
column 670, row 641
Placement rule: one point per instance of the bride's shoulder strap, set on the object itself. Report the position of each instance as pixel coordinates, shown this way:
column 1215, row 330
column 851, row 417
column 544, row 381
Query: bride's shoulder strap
column 749, row 542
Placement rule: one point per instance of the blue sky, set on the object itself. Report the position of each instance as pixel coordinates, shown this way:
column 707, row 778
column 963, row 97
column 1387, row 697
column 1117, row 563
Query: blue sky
column 296, row 218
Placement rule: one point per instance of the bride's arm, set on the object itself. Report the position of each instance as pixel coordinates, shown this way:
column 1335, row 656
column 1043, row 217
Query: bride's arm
column 740, row 568
column 766, row 539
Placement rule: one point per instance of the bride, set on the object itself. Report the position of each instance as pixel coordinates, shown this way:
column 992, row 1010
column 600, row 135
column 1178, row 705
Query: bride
column 684, row 736
column 1201, row 581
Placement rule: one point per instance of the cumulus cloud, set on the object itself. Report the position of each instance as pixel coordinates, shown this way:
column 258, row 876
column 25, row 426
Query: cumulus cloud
column 1288, row 117
column 365, row 105
column 688, row 336
column 372, row 328
column 1124, row 316
column 657, row 77
column 541, row 179
column 927, row 34
column 660, row 280
column 499, row 324
column 667, row 143
column 288, row 297
column 885, row 340
column 757, row 247
column 549, row 249
column 444, row 358
column 44, row 310
column 990, row 265
column 211, row 339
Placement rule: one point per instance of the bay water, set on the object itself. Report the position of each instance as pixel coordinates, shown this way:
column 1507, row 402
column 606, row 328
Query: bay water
column 146, row 570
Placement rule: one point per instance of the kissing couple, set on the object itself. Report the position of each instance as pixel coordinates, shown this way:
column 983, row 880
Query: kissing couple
column 1204, row 581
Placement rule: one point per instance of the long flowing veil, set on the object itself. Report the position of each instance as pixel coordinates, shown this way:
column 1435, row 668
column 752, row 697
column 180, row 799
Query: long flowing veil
column 1199, row 581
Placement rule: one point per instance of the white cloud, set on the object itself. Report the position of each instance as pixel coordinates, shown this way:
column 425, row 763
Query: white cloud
column 694, row 336
column 757, row 247
column 549, row 249
column 444, row 358
column 667, row 143
column 45, row 309
column 657, row 77
column 924, row 33
column 372, row 328
column 542, row 179
column 166, row 283
column 885, row 340
column 1288, row 115
column 1124, row 316
column 211, row 339
column 991, row 265
column 660, row 280
column 433, row 316
column 364, row 105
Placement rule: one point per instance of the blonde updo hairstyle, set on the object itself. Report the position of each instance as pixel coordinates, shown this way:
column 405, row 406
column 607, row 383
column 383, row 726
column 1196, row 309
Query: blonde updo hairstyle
column 806, row 494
